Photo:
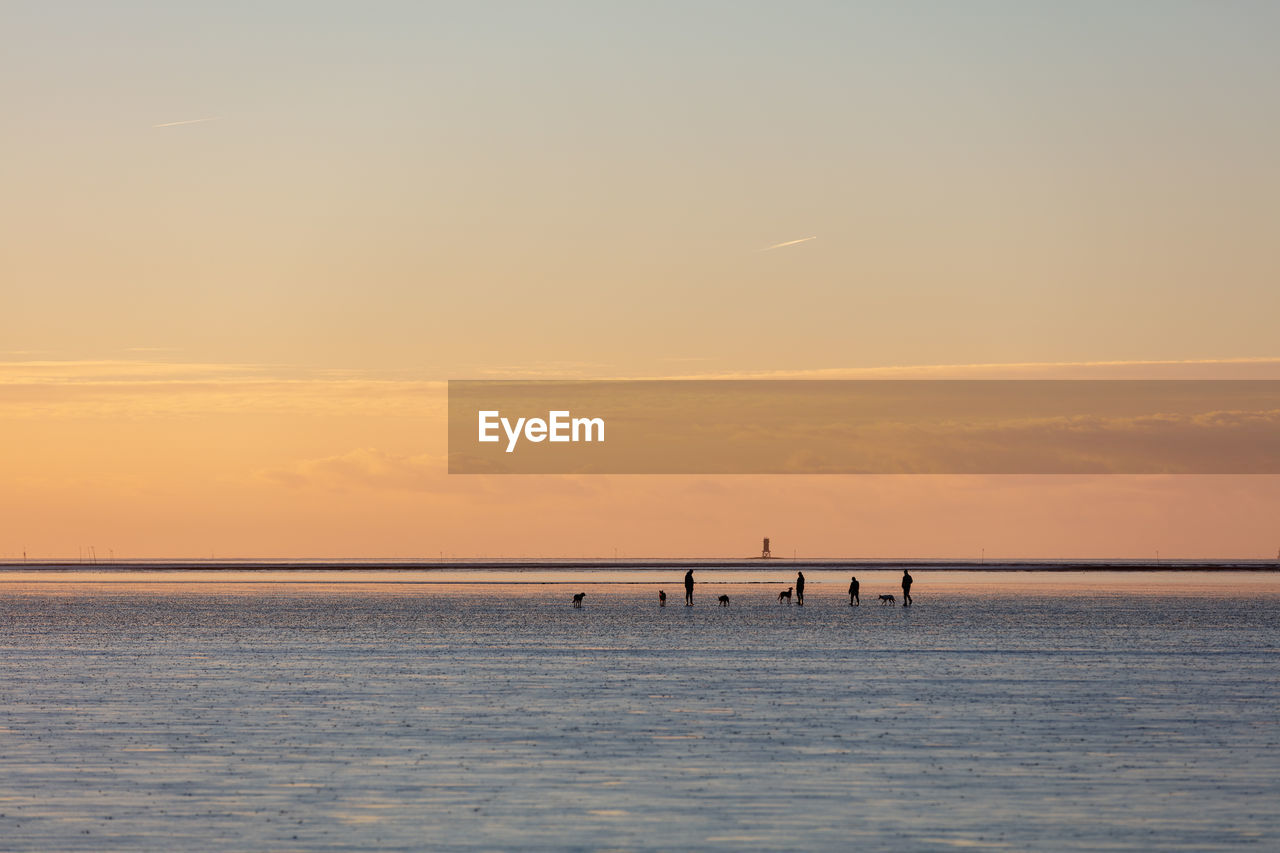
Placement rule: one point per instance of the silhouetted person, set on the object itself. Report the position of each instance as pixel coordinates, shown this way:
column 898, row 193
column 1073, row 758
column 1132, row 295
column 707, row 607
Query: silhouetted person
column 662, row 598
column 906, row 588
column 799, row 587
column 853, row 592
column 688, row 588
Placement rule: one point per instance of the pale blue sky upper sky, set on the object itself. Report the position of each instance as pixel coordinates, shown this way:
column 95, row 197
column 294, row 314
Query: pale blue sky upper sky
column 442, row 188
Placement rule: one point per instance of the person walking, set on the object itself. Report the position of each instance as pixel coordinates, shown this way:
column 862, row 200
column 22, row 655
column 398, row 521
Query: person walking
column 906, row 588
column 853, row 592
column 799, row 587
column 688, row 588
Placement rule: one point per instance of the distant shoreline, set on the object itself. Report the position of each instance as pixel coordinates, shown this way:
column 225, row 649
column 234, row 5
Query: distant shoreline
column 623, row 565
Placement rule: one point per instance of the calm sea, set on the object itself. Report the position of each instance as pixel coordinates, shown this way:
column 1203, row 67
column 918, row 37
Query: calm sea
column 479, row 710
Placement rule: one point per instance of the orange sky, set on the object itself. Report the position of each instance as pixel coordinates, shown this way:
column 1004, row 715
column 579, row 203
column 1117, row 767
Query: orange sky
column 150, row 459
column 245, row 245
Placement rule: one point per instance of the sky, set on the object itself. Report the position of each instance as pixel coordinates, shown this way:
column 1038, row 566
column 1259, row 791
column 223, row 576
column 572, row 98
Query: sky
column 246, row 242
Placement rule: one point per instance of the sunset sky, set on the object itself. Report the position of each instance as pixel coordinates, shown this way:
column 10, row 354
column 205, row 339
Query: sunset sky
column 246, row 244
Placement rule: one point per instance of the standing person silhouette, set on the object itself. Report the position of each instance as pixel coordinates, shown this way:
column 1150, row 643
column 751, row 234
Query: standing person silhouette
column 906, row 588
column 688, row 588
column 799, row 587
column 853, row 591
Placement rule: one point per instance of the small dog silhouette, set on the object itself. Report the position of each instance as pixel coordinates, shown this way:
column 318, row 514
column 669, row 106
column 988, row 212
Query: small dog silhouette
column 662, row 598
column 785, row 595
column 724, row 601
column 577, row 599
column 886, row 599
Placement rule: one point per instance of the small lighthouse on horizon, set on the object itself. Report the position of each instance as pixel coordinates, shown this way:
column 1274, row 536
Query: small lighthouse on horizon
column 764, row 552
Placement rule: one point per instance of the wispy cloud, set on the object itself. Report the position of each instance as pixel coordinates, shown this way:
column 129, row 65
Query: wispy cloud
column 788, row 243
column 117, row 387
column 372, row 469
column 364, row 467
column 543, row 370
column 116, row 371
column 1209, row 368
column 186, row 121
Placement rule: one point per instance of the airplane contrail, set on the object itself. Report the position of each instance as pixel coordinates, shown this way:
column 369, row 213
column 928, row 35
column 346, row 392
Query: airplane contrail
column 187, row 121
column 788, row 243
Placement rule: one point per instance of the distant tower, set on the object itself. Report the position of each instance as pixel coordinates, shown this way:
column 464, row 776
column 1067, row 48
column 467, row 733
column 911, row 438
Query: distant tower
column 764, row 552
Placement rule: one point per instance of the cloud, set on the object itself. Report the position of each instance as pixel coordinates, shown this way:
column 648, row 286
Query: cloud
column 119, row 370
column 1210, row 368
column 364, row 468
column 542, row 370
column 1236, row 442
column 373, row 470
column 787, row 243
column 1208, row 442
column 118, row 387
column 114, row 388
column 186, row 121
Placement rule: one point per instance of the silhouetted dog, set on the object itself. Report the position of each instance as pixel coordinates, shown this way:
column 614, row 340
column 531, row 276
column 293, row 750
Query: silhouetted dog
column 886, row 599
column 577, row 599
column 785, row 595
column 724, row 601
column 662, row 598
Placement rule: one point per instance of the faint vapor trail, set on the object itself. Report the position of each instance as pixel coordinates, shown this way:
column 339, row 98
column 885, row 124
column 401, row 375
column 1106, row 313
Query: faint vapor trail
column 187, row 121
column 788, row 243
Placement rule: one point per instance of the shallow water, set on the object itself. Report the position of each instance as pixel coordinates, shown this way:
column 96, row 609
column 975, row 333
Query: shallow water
column 1018, row 711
